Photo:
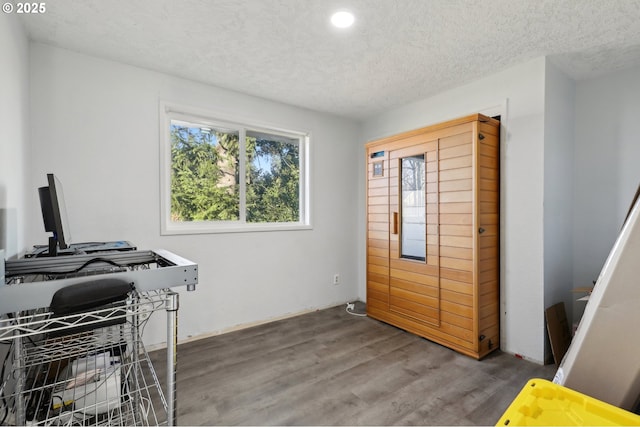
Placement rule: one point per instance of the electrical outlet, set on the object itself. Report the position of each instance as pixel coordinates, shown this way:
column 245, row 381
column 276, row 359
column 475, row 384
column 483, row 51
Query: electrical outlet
column 336, row 279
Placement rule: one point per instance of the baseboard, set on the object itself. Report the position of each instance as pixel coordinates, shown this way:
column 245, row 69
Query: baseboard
column 242, row 326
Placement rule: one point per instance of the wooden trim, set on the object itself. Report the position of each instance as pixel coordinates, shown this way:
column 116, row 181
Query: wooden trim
column 433, row 128
column 474, row 228
column 437, row 232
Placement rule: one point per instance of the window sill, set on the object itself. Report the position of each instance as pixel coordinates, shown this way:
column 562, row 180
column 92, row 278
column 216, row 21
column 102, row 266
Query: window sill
column 208, row 228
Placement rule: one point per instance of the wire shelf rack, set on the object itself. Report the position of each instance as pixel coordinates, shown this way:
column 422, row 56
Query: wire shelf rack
column 73, row 371
column 89, row 367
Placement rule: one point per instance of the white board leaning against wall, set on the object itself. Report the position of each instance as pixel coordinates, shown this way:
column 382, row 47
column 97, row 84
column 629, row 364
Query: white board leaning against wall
column 603, row 361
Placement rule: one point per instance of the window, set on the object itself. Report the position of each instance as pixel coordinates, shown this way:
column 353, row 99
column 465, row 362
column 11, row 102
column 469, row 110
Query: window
column 413, row 242
column 222, row 176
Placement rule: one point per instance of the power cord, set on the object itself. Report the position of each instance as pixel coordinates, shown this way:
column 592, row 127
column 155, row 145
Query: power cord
column 350, row 307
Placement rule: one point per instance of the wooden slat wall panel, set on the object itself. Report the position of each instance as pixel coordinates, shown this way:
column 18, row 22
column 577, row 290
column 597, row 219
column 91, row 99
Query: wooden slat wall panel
column 490, row 129
column 456, row 196
column 452, row 319
column 457, row 275
column 490, row 230
column 487, row 254
column 373, row 304
column 459, row 253
column 456, row 238
column 486, row 184
column 376, row 260
column 462, row 150
column 489, row 219
column 489, row 298
column 456, row 264
column 456, row 185
column 414, row 288
column 410, row 151
column 455, row 139
column 458, row 173
column 414, row 267
column 423, row 279
column 488, row 242
column 456, row 242
column 378, row 226
column 380, row 271
column 378, row 251
column 489, row 196
column 451, row 177
column 379, row 244
column 455, row 208
column 452, row 336
column 456, row 286
column 377, row 182
column 487, row 276
column 433, row 242
column 377, row 217
column 456, row 297
column 412, row 308
column 428, row 302
column 379, row 279
column 456, row 219
column 426, row 290
column 488, row 311
column 455, row 163
column 488, row 207
column 378, row 191
column 489, row 287
column 486, row 266
column 455, row 230
column 463, row 334
column 378, row 200
column 377, row 234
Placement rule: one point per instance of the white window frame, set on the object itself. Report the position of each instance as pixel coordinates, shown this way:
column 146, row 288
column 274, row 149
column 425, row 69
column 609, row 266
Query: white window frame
column 171, row 111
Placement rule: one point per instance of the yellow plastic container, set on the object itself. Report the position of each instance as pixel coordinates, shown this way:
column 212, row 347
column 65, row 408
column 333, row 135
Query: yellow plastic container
column 543, row 403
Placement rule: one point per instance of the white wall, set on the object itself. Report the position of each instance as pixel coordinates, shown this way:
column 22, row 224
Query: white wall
column 558, row 187
column 522, row 180
column 607, row 166
column 95, row 124
column 14, row 133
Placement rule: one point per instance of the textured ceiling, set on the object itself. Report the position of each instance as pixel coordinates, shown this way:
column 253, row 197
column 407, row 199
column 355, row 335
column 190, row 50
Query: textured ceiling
column 398, row 51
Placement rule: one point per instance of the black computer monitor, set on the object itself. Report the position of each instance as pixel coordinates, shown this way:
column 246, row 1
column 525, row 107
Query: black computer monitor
column 54, row 214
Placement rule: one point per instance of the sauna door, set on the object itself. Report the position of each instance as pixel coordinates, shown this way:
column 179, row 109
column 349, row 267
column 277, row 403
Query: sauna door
column 414, row 282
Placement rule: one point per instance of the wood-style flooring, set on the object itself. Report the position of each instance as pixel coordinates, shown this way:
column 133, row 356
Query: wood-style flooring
column 332, row 368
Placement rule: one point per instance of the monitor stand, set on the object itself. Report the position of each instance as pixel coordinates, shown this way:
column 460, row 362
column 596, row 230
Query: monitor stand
column 53, row 247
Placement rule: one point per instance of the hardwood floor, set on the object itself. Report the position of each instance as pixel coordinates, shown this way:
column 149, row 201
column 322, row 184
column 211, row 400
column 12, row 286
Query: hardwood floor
column 332, row 368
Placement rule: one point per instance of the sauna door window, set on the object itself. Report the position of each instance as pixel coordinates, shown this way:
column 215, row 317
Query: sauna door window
column 413, row 208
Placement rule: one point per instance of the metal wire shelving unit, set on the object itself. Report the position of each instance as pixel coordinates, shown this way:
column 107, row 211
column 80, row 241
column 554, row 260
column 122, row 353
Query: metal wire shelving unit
column 90, row 367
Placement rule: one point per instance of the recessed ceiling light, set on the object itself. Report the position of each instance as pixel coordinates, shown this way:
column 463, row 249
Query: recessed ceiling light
column 342, row 19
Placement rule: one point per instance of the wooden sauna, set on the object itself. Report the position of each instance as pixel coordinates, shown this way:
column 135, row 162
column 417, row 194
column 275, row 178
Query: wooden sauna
column 433, row 203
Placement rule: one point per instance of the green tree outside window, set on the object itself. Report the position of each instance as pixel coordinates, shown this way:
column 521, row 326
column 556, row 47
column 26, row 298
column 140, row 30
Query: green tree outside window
column 205, row 176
